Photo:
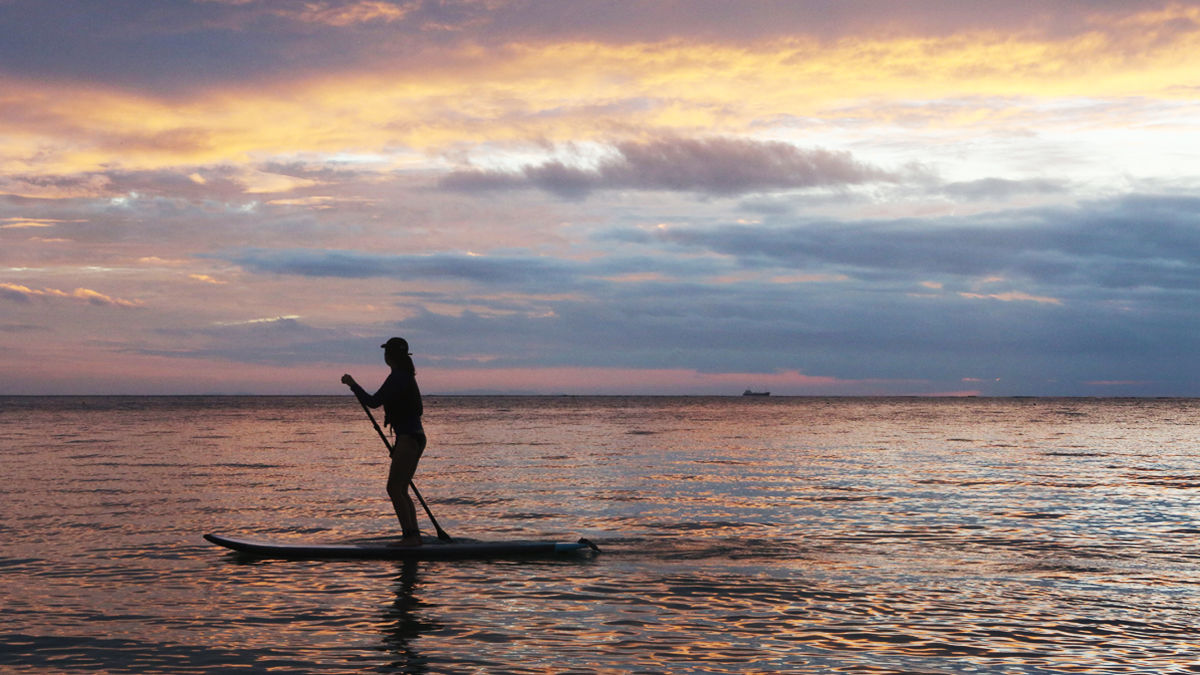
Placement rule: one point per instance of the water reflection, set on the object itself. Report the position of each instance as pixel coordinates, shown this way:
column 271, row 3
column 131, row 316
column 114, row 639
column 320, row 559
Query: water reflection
column 402, row 622
column 792, row 535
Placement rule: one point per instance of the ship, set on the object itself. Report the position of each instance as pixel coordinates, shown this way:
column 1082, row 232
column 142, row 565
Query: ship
column 755, row 393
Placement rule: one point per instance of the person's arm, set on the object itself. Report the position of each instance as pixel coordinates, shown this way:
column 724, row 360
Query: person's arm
column 370, row 400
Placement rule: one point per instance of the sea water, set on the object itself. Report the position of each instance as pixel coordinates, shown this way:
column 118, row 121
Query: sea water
column 739, row 535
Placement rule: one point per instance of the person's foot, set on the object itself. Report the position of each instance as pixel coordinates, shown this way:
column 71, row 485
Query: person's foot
column 408, row 540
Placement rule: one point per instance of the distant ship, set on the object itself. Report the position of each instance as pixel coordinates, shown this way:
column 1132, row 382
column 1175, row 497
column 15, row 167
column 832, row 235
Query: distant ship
column 755, row 393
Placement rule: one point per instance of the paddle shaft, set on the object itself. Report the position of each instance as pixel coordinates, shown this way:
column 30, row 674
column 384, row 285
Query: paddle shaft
column 387, row 444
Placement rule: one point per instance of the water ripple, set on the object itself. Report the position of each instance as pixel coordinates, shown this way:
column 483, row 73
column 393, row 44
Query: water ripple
column 791, row 535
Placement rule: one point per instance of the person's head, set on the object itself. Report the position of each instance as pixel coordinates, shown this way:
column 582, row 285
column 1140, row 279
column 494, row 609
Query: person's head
column 396, row 354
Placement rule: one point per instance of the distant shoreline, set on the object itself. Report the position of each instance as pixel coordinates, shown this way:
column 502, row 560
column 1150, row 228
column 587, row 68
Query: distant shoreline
column 759, row 399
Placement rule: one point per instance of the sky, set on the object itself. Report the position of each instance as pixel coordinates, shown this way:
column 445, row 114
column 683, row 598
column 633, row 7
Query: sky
column 601, row 197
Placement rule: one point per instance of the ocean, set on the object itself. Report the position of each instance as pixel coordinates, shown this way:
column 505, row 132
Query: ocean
column 739, row 535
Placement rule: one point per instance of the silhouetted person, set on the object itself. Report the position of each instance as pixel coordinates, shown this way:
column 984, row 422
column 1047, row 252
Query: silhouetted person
column 401, row 401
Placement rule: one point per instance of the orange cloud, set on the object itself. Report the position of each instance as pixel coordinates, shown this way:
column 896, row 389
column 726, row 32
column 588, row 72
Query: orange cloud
column 590, row 90
column 24, row 293
column 21, row 223
column 336, row 14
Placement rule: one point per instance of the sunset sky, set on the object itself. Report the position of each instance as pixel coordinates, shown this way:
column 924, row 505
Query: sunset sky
column 833, row 197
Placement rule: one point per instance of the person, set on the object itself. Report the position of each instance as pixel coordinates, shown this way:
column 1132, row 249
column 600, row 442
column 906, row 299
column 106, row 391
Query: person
column 402, row 408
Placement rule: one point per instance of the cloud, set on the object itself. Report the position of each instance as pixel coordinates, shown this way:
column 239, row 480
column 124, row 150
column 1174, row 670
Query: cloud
column 692, row 298
column 19, row 327
column 844, row 331
column 342, row 14
column 998, row 188
column 716, row 166
column 280, row 340
column 19, row 293
column 115, row 41
column 438, row 266
column 196, row 84
column 1134, row 242
column 1012, row 296
column 24, row 223
column 299, row 141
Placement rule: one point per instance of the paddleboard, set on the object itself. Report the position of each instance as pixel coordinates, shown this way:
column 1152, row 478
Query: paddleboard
column 387, row 550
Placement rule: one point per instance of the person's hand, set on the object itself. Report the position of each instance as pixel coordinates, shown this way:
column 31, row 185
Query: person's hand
column 347, row 380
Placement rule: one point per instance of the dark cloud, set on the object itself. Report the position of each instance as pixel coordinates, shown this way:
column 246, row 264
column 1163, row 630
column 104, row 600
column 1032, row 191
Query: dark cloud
column 177, row 47
column 20, row 327
column 505, row 271
column 330, row 172
column 83, row 184
column 440, row 266
column 715, row 166
column 182, row 185
column 1099, row 250
column 1127, row 243
column 15, row 293
column 279, row 341
column 846, row 330
column 1120, row 270
column 166, row 46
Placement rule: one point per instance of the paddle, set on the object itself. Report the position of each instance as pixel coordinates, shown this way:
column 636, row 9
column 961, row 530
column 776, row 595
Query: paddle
column 440, row 532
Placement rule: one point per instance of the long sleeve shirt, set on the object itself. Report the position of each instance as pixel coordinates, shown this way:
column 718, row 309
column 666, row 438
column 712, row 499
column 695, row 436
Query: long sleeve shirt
column 401, row 401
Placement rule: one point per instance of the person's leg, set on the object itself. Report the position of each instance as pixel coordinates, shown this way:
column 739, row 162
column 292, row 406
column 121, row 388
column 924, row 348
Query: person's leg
column 406, row 452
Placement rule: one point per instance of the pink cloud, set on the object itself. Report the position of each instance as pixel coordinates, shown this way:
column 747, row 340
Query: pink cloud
column 1013, row 296
column 633, row 381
